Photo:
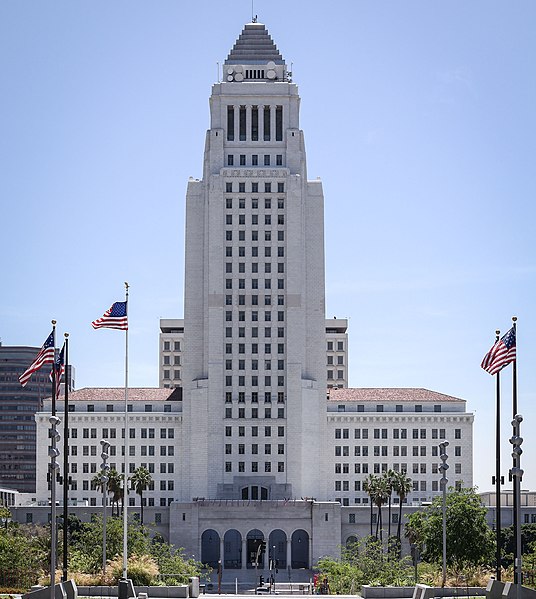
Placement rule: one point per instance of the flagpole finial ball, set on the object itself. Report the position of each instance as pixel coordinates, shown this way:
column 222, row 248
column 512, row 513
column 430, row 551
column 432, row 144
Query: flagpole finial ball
column 514, row 318
column 54, row 323
column 65, row 335
column 497, row 332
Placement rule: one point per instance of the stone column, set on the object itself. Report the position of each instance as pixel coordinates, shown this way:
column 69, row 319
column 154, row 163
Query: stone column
column 289, row 552
column 261, row 122
column 244, row 553
column 237, row 122
column 222, row 552
column 272, row 123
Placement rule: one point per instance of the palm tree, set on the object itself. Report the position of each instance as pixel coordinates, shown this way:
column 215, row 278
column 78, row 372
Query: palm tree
column 369, row 486
column 141, row 479
column 99, row 483
column 389, row 478
column 381, row 495
column 115, row 488
column 402, row 486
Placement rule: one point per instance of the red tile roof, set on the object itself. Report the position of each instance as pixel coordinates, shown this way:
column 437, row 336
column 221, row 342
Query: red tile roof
column 118, row 394
column 397, row 394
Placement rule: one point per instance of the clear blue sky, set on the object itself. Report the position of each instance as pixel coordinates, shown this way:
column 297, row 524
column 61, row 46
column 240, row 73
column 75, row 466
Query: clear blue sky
column 419, row 117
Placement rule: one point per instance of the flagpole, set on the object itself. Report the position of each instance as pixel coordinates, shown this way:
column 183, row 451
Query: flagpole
column 515, row 506
column 53, row 475
column 125, row 481
column 54, row 370
column 498, row 472
column 65, row 456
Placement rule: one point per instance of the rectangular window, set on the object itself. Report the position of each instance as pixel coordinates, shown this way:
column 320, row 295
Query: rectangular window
column 254, row 123
column 266, row 132
column 242, row 123
column 230, row 123
column 279, row 123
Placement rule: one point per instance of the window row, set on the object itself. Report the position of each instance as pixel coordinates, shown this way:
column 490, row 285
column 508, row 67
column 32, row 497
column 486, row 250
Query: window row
column 144, row 433
column 230, row 203
column 254, row 449
column 254, row 431
column 397, row 450
column 176, row 374
column 254, row 413
column 254, row 266
column 254, row 332
column 340, row 345
column 176, row 346
column 114, row 408
column 397, row 433
column 340, row 375
column 254, row 467
column 176, row 360
column 163, row 502
column 268, row 381
column 268, row 284
column 268, row 395
column 254, row 316
column 266, row 160
column 279, row 219
column 254, row 364
column 254, row 252
column 253, row 348
column 255, row 235
column 254, row 300
column 144, row 450
column 340, row 360
column 265, row 123
column 254, row 187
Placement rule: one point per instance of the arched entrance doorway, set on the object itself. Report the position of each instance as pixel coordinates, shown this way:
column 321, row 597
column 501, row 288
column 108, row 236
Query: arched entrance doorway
column 210, row 548
column 277, row 548
column 351, row 541
column 232, row 550
column 300, row 549
column 255, row 547
column 255, row 493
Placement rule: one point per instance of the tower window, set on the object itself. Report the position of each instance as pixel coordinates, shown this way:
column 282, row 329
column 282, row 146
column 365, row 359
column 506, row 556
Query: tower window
column 254, row 123
column 279, row 123
column 266, row 123
column 242, row 123
column 230, row 123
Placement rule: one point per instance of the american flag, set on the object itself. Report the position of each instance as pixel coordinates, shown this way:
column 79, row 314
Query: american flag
column 501, row 354
column 59, row 368
column 45, row 356
column 114, row 318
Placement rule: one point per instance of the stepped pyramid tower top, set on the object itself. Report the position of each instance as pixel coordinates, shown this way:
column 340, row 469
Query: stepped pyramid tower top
column 254, row 56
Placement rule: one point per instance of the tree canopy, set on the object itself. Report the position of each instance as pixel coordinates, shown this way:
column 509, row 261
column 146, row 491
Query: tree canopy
column 469, row 537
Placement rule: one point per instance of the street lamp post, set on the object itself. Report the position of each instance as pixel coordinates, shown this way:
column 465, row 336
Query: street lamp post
column 273, row 568
column 517, row 474
column 105, row 447
column 443, row 467
column 53, row 453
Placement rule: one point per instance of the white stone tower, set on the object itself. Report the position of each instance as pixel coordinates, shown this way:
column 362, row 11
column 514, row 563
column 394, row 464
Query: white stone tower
column 254, row 374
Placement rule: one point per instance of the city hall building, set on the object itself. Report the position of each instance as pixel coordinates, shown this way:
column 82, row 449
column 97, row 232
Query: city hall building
column 254, row 434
